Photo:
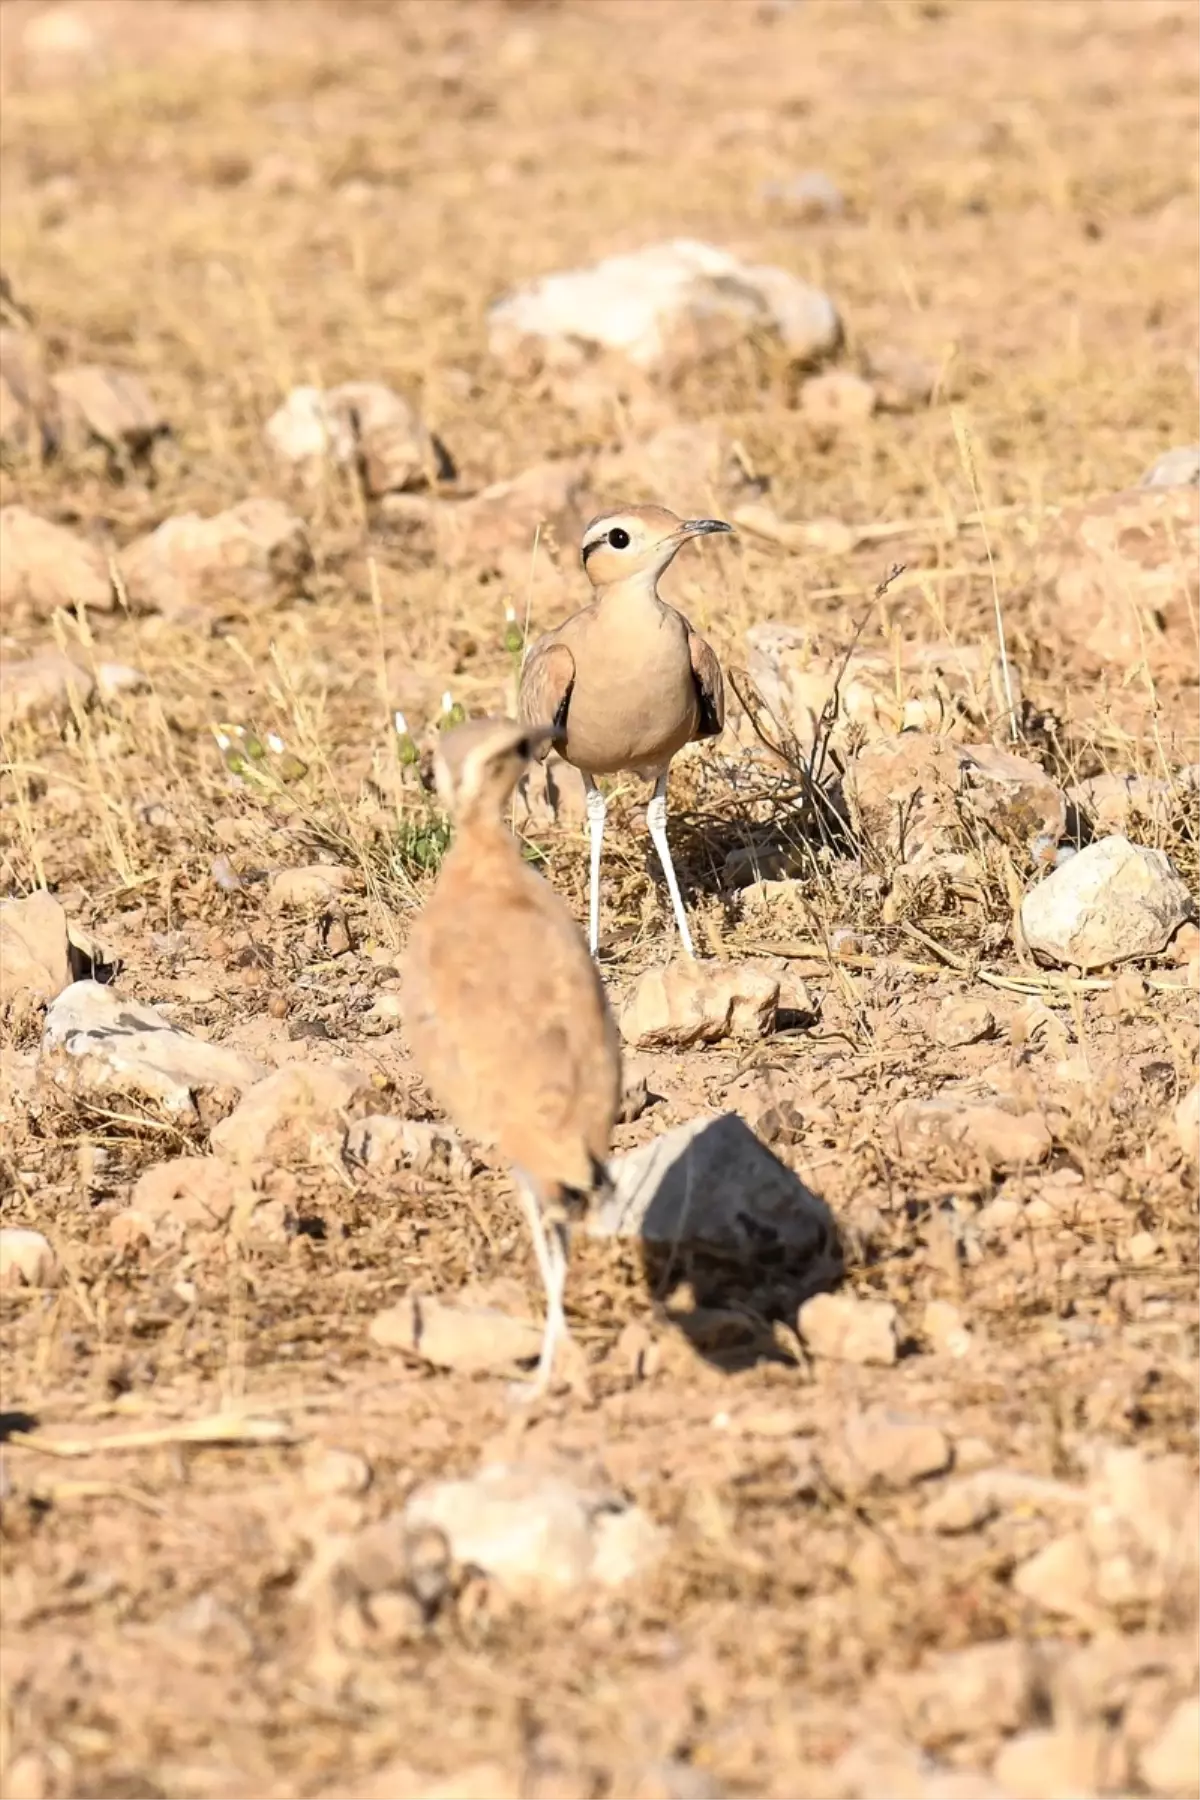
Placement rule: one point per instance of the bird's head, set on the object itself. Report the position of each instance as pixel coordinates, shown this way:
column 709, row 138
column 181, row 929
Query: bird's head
column 478, row 764
column 638, row 541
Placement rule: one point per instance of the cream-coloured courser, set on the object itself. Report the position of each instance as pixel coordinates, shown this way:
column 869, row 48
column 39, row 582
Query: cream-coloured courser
column 504, row 1009
column 627, row 678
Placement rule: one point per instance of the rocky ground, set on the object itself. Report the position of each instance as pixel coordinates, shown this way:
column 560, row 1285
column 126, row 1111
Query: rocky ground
column 880, row 1477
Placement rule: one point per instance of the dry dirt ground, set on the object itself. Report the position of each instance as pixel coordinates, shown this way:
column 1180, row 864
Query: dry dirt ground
column 230, row 200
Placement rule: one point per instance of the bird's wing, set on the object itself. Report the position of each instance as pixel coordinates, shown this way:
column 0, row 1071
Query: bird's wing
column 547, row 679
column 710, row 686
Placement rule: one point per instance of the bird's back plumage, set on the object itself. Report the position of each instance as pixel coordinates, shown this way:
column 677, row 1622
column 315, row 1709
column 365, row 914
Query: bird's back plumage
column 507, row 1016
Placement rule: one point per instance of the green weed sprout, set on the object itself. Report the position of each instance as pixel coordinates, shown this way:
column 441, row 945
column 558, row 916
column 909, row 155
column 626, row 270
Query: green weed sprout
column 452, row 712
column 407, row 754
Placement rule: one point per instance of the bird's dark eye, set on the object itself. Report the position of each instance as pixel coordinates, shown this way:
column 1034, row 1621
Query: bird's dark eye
column 524, row 749
column 618, row 537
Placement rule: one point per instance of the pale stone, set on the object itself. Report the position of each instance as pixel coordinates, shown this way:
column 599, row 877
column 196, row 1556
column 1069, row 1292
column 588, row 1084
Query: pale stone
column 112, row 405
column 538, row 1533
column 846, row 1328
column 946, row 1329
column 35, row 950
column 1057, row 1763
column 1171, row 1764
column 1113, row 901
column 1123, row 573
column 837, row 398
column 385, row 1144
column 359, row 423
column 664, row 306
column 44, row 566
column 691, row 1002
column 1186, row 1120
column 1000, row 1138
column 98, row 1042
column 254, row 555
column 948, row 689
column 301, row 1114
column 45, row 687
column 315, row 885
column 26, row 1259
column 453, row 1335
column 888, row 1449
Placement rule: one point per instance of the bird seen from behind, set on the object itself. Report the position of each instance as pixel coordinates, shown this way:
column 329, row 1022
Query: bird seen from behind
column 504, row 1009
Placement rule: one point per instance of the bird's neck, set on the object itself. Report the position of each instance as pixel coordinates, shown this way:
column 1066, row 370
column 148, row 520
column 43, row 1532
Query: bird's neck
column 636, row 593
column 482, row 823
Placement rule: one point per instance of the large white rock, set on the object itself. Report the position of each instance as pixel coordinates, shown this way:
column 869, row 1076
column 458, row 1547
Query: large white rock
column 537, row 1532
column 97, row 1042
column 1113, row 901
column 670, row 303
column 712, row 1182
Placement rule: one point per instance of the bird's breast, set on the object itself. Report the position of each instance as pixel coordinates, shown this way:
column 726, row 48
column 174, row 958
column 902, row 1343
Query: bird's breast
column 634, row 701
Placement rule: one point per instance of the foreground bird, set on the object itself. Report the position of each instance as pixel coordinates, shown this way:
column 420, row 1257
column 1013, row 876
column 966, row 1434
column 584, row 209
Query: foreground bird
column 504, row 1009
column 626, row 678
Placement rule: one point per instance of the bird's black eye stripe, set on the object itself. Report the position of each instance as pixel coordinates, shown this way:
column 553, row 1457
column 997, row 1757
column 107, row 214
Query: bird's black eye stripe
column 618, row 538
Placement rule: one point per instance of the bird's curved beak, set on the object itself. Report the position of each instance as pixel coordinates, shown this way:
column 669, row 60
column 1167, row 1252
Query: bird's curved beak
column 702, row 527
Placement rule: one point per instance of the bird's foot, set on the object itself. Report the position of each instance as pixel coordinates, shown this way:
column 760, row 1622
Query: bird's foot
column 568, row 1370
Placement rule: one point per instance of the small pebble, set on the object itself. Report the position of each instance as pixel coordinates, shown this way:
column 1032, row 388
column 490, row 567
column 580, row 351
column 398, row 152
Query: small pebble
column 946, row 1329
column 225, row 875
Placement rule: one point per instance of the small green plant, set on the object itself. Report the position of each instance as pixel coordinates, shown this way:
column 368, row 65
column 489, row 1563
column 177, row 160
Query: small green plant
column 257, row 762
column 514, row 637
column 421, row 840
column 407, row 754
column 453, row 712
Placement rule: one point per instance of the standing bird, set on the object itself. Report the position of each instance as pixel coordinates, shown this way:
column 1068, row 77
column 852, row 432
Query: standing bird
column 504, row 1009
column 626, row 678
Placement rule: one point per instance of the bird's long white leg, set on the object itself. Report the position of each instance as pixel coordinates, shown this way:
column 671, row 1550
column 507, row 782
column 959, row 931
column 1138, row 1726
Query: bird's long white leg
column 656, row 821
column 596, row 810
column 549, row 1247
